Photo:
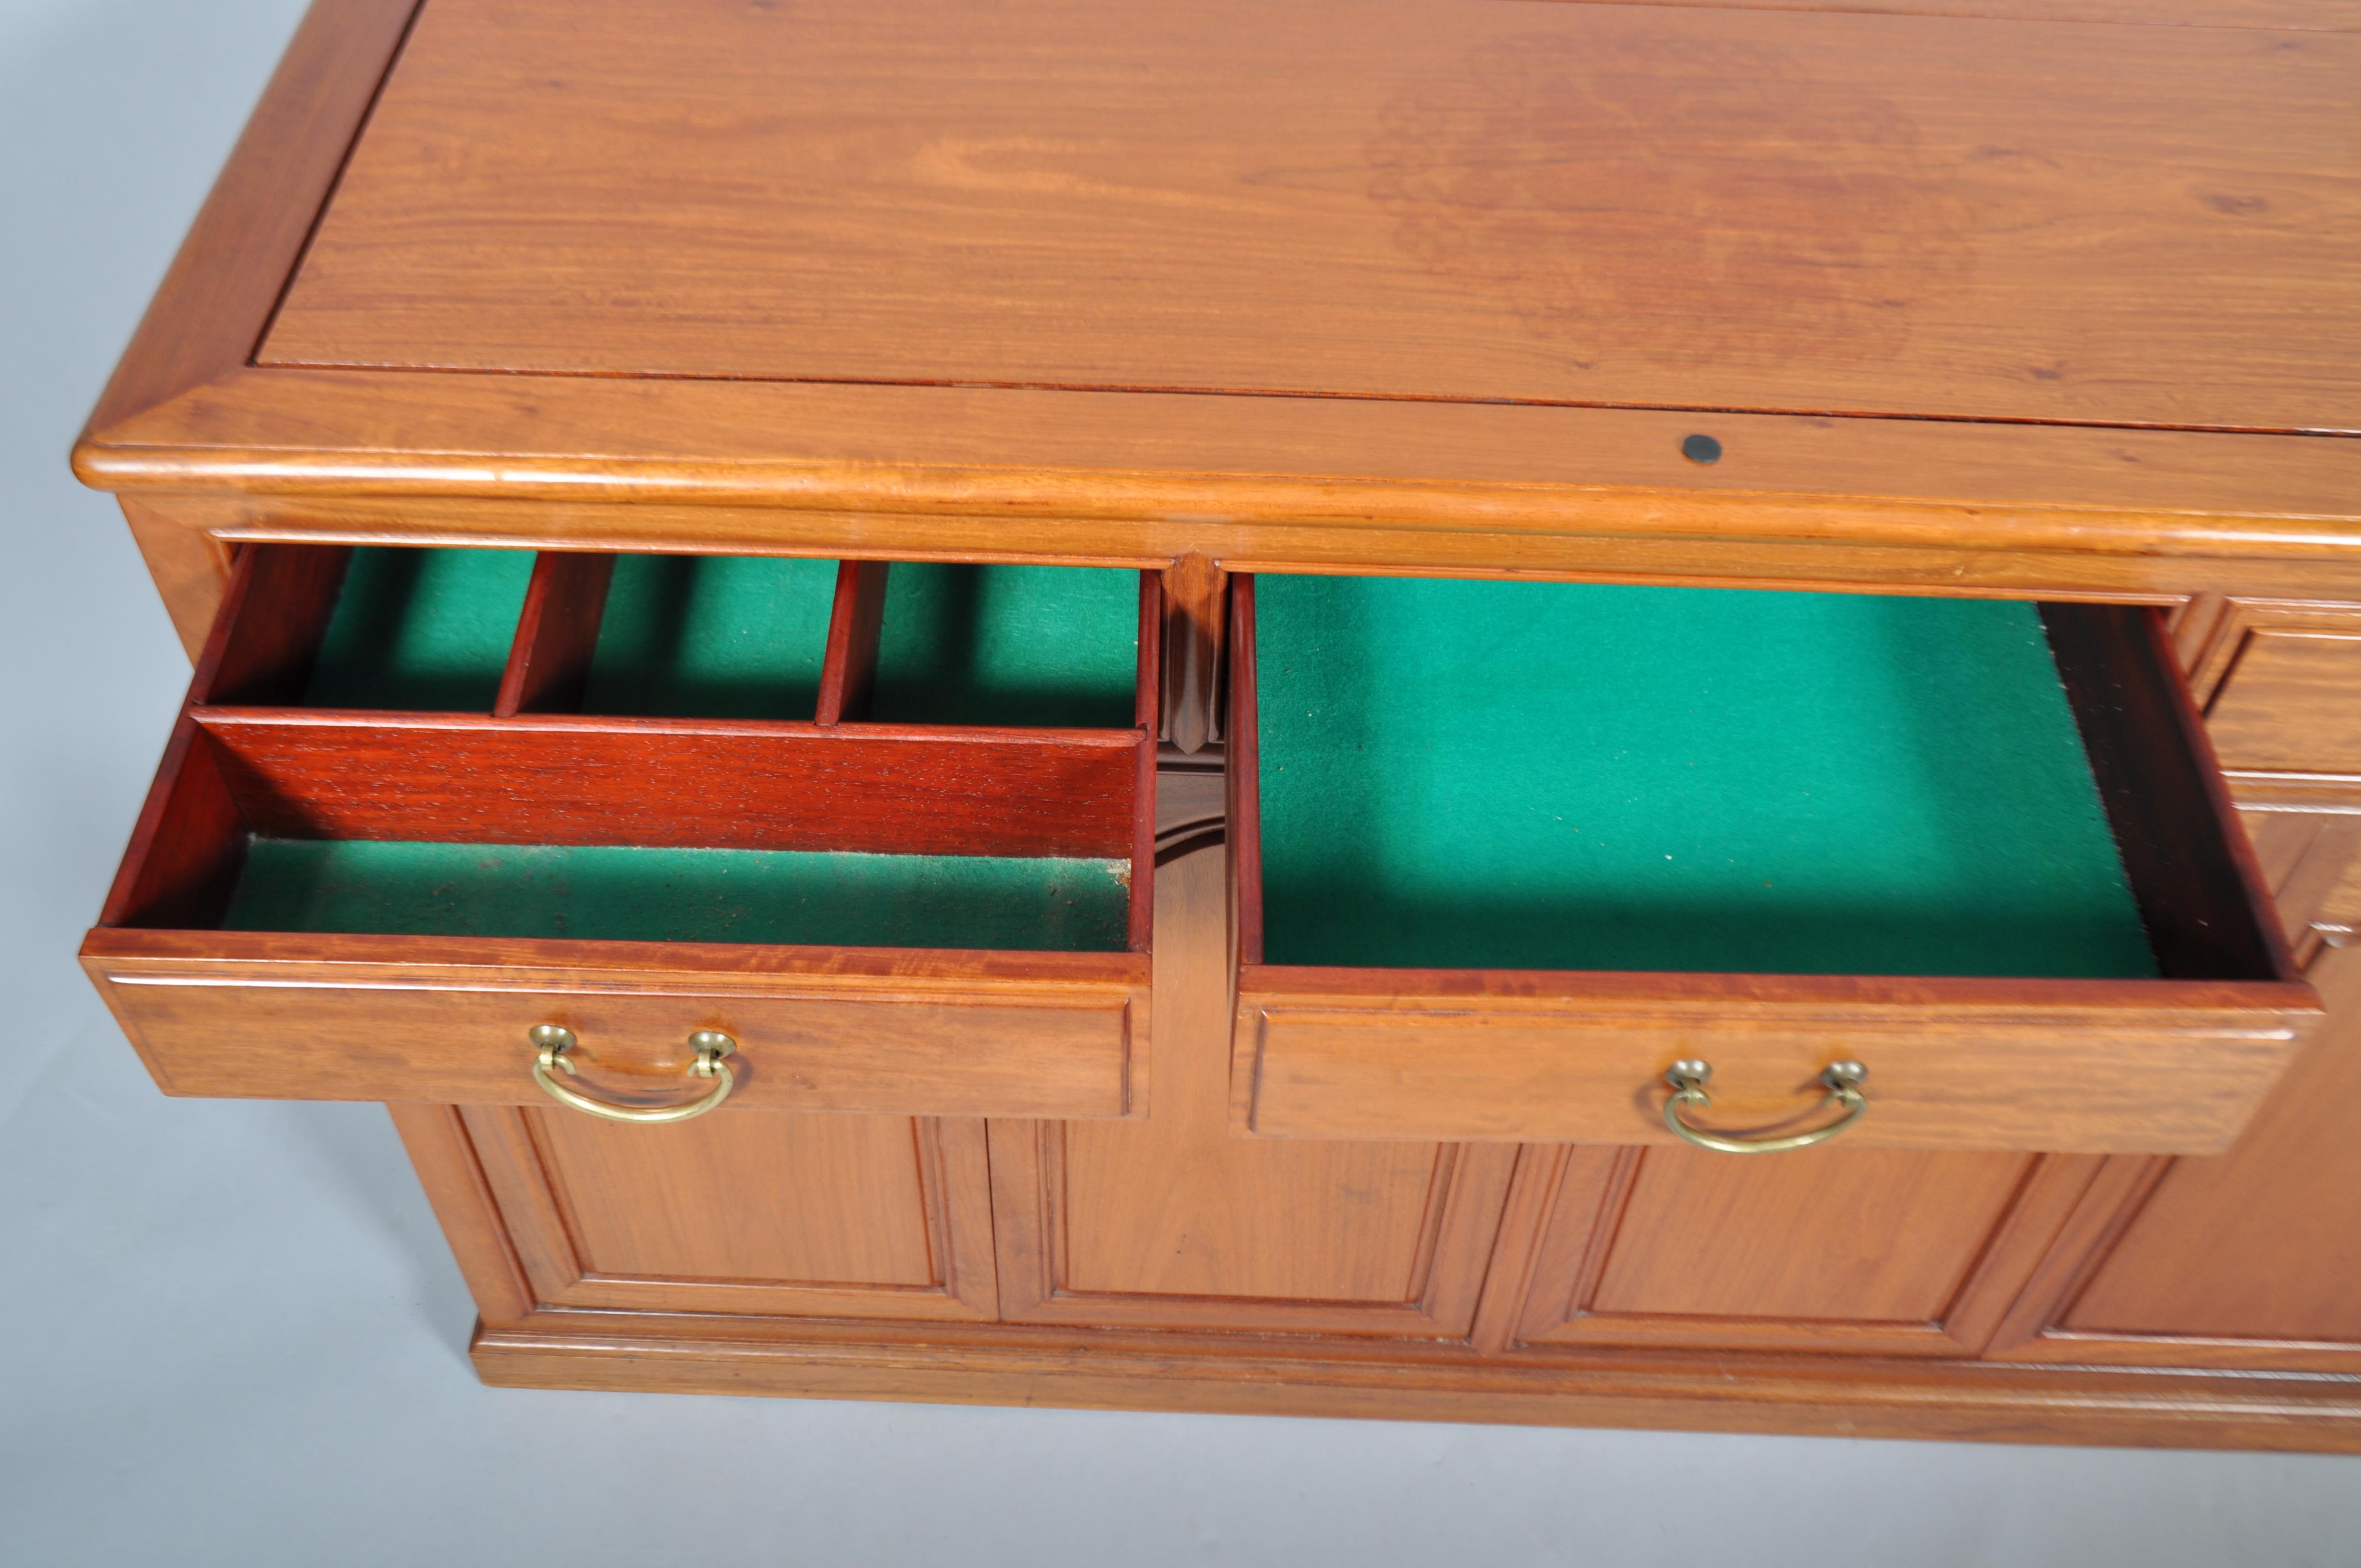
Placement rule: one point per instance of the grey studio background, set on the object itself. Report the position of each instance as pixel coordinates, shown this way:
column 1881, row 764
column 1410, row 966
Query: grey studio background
column 230, row 1333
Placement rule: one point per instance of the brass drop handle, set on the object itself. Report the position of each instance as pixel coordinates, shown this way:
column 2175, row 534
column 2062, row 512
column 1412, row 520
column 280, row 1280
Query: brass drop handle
column 553, row 1040
column 1842, row 1081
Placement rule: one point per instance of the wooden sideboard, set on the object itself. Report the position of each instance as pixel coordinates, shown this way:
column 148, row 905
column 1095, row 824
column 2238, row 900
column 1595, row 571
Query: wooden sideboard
column 989, row 383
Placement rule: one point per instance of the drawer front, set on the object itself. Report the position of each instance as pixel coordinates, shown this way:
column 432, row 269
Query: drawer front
column 2291, row 702
column 2169, row 1054
column 1591, row 1068
column 930, row 1034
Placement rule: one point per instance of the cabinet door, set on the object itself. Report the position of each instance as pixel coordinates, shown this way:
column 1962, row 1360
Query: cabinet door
column 741, row 1213
column 1174, row 1221
column 1889, row 1252
column 2251, row 1257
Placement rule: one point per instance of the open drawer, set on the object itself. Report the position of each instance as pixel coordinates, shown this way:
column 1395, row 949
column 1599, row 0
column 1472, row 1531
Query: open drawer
column 1510, row 854
column 439, row 825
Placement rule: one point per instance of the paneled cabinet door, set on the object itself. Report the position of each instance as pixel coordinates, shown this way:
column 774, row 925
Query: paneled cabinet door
column 739, row 1214
column 1175, row 1221
column 1877, row 1251
column 2251, row 1257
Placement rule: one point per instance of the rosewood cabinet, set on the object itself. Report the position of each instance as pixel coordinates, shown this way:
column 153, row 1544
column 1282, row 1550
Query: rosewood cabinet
column 1582, row 713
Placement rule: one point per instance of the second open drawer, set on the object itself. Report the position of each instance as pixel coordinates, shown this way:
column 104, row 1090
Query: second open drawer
column 1508, row 854
column 422, row 805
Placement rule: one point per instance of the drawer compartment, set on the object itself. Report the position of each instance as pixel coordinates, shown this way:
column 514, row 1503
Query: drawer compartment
column 1507, row 851
column 372, row 901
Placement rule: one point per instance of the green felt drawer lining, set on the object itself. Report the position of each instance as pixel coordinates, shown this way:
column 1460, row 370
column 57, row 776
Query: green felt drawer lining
column 712, row 637
column 744, row 637
column 423, row 630
column 626, row 894
column 1035, row 646
column 1518, row 776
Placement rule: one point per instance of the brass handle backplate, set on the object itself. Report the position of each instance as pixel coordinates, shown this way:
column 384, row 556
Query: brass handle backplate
column 551, row 1041
column 1842, row 1079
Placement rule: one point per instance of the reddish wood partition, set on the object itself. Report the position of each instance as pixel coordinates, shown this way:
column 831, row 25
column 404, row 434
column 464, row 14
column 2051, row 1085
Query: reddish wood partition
column 549, row 662
column 849, row 670
column 706, row 783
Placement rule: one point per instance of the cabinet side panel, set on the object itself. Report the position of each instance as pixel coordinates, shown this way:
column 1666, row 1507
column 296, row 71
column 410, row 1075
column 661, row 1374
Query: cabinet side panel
column 189, row 566
column 440, row 1150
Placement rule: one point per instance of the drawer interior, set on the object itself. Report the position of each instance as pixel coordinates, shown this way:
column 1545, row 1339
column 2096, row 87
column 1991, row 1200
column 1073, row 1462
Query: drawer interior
column 626, row 768
column 1462, row 774
column 419, row 629
column 1003, row 644
column 691, row 636
column 712, row 637
column 614, row 893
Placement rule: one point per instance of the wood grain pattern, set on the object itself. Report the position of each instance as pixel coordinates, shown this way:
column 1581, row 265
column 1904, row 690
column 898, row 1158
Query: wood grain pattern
column 2088, row 1066
column 1593, row 537
column 1433, row 201
column 435, row 1137
column 1723, row 1392
column 2245, row 1258
column 2216, row 627
column 752, row 1217
column 1146, row 478
column 1866, row 1252
column 849, row 669
column 191, row 569
column 1174, row 1222
column 2313, row 864
column 187, row 846
column 550, row 779
column 210, row 312
column 734, row 1198
column 1189, row 470
column 2293, row 700
column 274, row 614
column 549, row 662
column 354, row 1017
column 1706, row 1237
column 1198, row 594
column 2307, row 15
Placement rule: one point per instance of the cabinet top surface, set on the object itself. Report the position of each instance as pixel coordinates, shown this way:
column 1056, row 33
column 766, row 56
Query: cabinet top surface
column 1503, row 241
column 1786, row 211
